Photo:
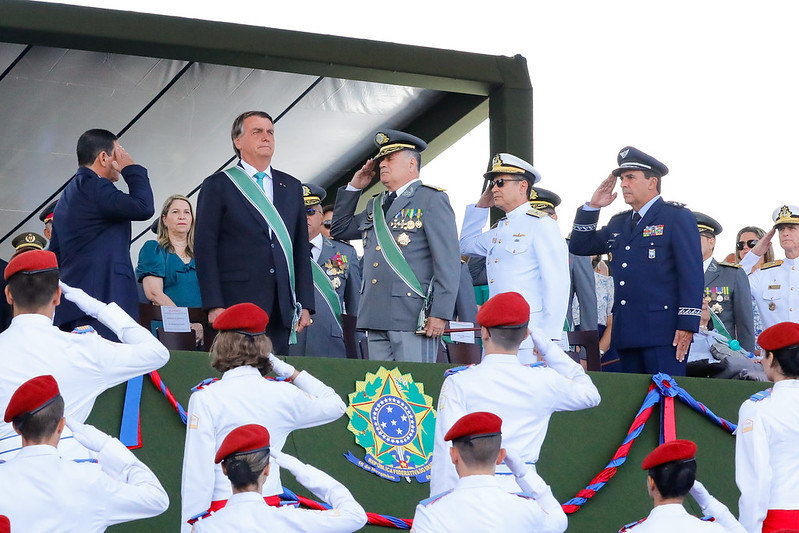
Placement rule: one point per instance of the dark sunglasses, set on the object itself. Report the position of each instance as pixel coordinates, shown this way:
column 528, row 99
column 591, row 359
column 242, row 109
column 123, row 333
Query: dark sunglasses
column 749, row 244
column 501, row 182
column 327, row 223
column 310, row 211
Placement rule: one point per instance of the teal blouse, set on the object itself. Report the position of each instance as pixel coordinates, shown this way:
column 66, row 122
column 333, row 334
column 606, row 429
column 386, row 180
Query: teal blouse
column 180, row 279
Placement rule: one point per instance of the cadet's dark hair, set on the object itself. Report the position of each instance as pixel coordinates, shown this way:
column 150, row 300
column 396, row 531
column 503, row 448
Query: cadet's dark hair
column 232, row 349
column 237, row 130
column 675, row 479
column 508, row 338
column 243, row 469
column 788, row 358
column 91, row 143
column 40, row 426
column 33, row 291
column 481, row 451
column 328, row 208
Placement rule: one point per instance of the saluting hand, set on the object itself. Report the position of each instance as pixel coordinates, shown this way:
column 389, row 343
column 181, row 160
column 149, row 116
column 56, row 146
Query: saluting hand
column 121, row 158
column 604, row 194
column 762, row 244
column 682, row 340
column 487, row 198
column 363, row 178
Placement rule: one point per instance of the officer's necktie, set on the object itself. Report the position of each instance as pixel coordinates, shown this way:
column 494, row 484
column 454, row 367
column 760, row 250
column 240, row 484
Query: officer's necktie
column 387, row 202
column 259, row 179
column 634, row 222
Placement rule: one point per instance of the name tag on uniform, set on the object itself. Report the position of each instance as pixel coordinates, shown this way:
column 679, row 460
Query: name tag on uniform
column 773, row 287
column 651, row 253
column 651, row 231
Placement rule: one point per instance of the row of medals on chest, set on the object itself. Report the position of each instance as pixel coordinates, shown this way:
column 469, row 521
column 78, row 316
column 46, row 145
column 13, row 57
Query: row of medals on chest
column 335, row 267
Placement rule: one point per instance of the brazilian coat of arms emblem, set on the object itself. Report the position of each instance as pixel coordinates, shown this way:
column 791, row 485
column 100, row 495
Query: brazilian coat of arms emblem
column 394, row 422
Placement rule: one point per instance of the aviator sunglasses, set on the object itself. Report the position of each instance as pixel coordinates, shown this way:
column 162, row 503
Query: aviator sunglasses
column 749, row 244
column 501, row 182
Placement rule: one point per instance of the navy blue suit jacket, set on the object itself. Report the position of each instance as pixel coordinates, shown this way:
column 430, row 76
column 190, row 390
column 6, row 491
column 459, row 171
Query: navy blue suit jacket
column 656, row 268
column 91, row 237
column 236, row 259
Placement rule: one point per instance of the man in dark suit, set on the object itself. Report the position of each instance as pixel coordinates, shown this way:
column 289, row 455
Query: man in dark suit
column 91, row 228
column 251, row 235
column 655, row 261
column 337, row 284
column 726, row 286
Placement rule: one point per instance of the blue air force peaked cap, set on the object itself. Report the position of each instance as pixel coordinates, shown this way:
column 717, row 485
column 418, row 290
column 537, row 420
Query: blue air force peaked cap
column 631, row 158
column 390, row 141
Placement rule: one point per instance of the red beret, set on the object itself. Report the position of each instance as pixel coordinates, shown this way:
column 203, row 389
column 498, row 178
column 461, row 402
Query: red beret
column 779, row 336
column 504, row 309
column 474, row 424
column 5, row 524
column 675, row 450
column 243, row 439
column 31, row 396
column 31, row 262
column 246, row 318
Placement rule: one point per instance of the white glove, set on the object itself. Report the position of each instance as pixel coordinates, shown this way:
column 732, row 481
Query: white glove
column 541, row 340
column 515, row 463
column 89, row 436
column 701, row 494
column 281, row 368
column 289, row 462
column 87, row 304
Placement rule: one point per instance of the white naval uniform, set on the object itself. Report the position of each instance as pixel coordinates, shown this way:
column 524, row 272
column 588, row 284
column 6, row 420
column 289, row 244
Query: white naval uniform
column 523, row 397
column 247, row 511
column 673, row 517
column 478, row 504
column 775, row 289
column 84, row 365
column 242, row 397
column 40, row 491
column 767, row 453
column 526, row 254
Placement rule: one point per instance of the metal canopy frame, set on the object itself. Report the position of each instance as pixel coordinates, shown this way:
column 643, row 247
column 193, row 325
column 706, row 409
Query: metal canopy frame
column 477, row 86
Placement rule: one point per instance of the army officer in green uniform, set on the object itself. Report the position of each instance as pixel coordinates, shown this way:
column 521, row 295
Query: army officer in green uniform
column 411, row 263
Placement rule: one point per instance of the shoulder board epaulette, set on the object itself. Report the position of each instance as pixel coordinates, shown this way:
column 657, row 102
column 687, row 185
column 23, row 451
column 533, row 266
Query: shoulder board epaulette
column 772, row 264
column 762, row 395
column 450, row 371
column 536, row 364
column 81, row 330
column 196, row 518
column 628, row 527
column 84, row 460
column 708, row 519
column 277, row 378
column 536, row 213
column 675, row 204
column 204, row 383
column 727, row 264
column 433, row 499
column 439, row 189
column 524, row 495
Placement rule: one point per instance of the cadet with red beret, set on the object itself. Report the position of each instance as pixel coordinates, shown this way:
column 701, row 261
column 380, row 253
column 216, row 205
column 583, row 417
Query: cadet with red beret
column 672, row 475
column 84, row 364
column 42, row 491
column 242, row 352
column 244, row 456
column 767, row 439
column 523, row 396
column 477, row 502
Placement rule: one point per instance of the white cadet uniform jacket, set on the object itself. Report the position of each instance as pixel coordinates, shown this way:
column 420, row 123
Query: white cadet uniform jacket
column 83, row 364
column 247, row 512
column 775, row 289
column 478, row 504
column 767, row 453
column 527, row 254
column 40, row 491
column 673, row 517
column 523, row 397
column 242, row 397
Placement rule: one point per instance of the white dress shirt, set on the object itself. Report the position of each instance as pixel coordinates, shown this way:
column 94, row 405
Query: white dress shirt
column 316, row 247
column 84, row 365
column 40, row 491
column 242, row 397
column 767, row 454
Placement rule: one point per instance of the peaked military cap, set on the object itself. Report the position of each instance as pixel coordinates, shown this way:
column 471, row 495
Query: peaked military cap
column 28, row 241
column 786, row 214
column 503, row 163
column 32, row 396
column 675, row 450
column 478, row 424
column 707, row 223
column 390, row 141
column 631, row 158
column 313, row 194
column 541, row 198
column 243, row 439
column 47, row 213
